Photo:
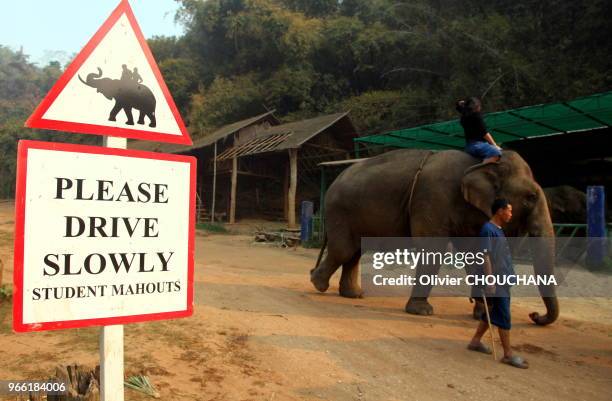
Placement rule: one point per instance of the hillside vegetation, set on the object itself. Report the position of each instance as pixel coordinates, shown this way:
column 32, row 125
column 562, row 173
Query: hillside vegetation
column 392, row 63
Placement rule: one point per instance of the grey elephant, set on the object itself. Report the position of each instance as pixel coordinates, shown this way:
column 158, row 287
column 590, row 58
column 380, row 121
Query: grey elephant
column 569, row 205
column 128, row 94
column 369, row 199
column 566, row 204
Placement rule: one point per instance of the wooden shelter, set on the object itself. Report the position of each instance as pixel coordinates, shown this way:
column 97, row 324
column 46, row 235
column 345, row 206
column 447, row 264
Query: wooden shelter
column 260, row 168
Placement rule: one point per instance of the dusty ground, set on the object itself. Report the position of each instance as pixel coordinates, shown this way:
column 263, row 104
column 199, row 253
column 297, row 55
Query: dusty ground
column 260, row 332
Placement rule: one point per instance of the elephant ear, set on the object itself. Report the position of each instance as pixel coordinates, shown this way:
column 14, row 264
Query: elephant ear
column 480, row 185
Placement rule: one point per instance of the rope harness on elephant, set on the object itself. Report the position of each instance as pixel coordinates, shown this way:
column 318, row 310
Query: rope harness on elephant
column 415, row 180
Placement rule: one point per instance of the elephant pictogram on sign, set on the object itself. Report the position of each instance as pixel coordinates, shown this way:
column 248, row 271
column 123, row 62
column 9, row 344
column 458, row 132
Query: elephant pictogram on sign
column 128, row 92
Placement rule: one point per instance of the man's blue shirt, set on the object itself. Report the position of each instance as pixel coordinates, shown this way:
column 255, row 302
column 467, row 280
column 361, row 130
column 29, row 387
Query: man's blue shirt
column 496, row 245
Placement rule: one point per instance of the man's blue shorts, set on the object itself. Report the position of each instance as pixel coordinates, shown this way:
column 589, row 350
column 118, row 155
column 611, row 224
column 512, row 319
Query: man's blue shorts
column 499, row 309
column 481, row 149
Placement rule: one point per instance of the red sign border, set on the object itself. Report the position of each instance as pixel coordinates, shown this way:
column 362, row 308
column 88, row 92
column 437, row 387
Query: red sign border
column 20, row 212
column 36, row 120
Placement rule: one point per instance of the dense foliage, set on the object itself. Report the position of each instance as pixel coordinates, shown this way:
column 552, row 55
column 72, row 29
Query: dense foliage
column 392, row 63
column 22, row 86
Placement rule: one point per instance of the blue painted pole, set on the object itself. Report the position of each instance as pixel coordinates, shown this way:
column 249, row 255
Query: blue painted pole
column 306, row 220
column 596, row 226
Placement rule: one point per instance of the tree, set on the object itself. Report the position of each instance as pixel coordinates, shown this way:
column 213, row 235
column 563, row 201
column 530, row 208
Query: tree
column 22, row 86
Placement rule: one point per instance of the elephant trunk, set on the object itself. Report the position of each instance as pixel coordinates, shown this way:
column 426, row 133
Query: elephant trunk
column 543, row 251
column 90, row 81
column 552, row 312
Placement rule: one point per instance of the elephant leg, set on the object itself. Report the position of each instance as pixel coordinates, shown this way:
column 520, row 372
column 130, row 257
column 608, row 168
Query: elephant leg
column 153, row 120
column 349, row 280
column 418, row 304
column 141, row 117
column 320, row 275
column 341, row 249
column 114, row 111
column 130, row 116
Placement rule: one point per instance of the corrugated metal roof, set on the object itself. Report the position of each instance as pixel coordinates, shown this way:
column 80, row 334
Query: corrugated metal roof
column 286, row 136
column 230, row 129
column 302, row 131
column 204, row 140
column 256, row 145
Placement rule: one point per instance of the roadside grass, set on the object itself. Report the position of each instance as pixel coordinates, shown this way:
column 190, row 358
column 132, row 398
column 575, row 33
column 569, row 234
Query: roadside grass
column 6, row 238
column 606, row 265
column 214, row 228
column 6, row 311
column 6, row 292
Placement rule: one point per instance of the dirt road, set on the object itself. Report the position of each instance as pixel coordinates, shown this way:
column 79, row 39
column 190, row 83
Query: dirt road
column 260, row 332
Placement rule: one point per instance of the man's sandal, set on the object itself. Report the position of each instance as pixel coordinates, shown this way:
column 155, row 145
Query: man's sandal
column 479, row 348
column 515, row 361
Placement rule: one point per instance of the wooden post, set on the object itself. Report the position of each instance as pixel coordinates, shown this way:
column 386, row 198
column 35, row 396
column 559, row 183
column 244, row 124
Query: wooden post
column 232, row 218
column 214, row 185
column 111, row 337
column 292, row 187
column 286, row 192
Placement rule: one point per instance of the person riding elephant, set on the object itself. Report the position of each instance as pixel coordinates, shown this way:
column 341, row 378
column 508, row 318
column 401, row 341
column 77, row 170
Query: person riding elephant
column 478, row 140
column 418, row 193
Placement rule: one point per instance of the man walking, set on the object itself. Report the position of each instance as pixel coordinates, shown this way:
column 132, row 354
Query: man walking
column 498, row 262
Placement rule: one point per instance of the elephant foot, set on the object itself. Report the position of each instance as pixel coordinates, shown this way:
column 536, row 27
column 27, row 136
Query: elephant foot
column 350, row 291
column 140, row 122
column 112, row 119
column 419, row 306
column 152, row 125
column 129, row 122
column 478, row 310
column 320, row 283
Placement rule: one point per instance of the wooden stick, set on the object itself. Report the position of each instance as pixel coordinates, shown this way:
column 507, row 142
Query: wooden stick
column 293, row 174
column 484, row 298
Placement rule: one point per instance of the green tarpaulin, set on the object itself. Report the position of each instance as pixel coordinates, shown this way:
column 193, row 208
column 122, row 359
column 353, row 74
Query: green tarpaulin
column 580, row 114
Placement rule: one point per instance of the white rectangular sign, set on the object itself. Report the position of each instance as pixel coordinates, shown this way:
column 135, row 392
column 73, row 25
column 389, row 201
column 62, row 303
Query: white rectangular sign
column 103, row 236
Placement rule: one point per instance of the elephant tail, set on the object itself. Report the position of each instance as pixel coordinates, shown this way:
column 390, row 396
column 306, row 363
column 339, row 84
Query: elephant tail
column 321, row 252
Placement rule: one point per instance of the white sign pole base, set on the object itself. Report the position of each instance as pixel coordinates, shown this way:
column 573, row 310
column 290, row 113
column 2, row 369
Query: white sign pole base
column 111, row 363
column 111, row 337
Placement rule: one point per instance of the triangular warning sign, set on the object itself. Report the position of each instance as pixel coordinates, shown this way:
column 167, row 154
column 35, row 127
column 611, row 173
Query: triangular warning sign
column 113, row 87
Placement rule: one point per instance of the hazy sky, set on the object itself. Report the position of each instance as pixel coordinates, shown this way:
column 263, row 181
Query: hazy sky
column 56, row 29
